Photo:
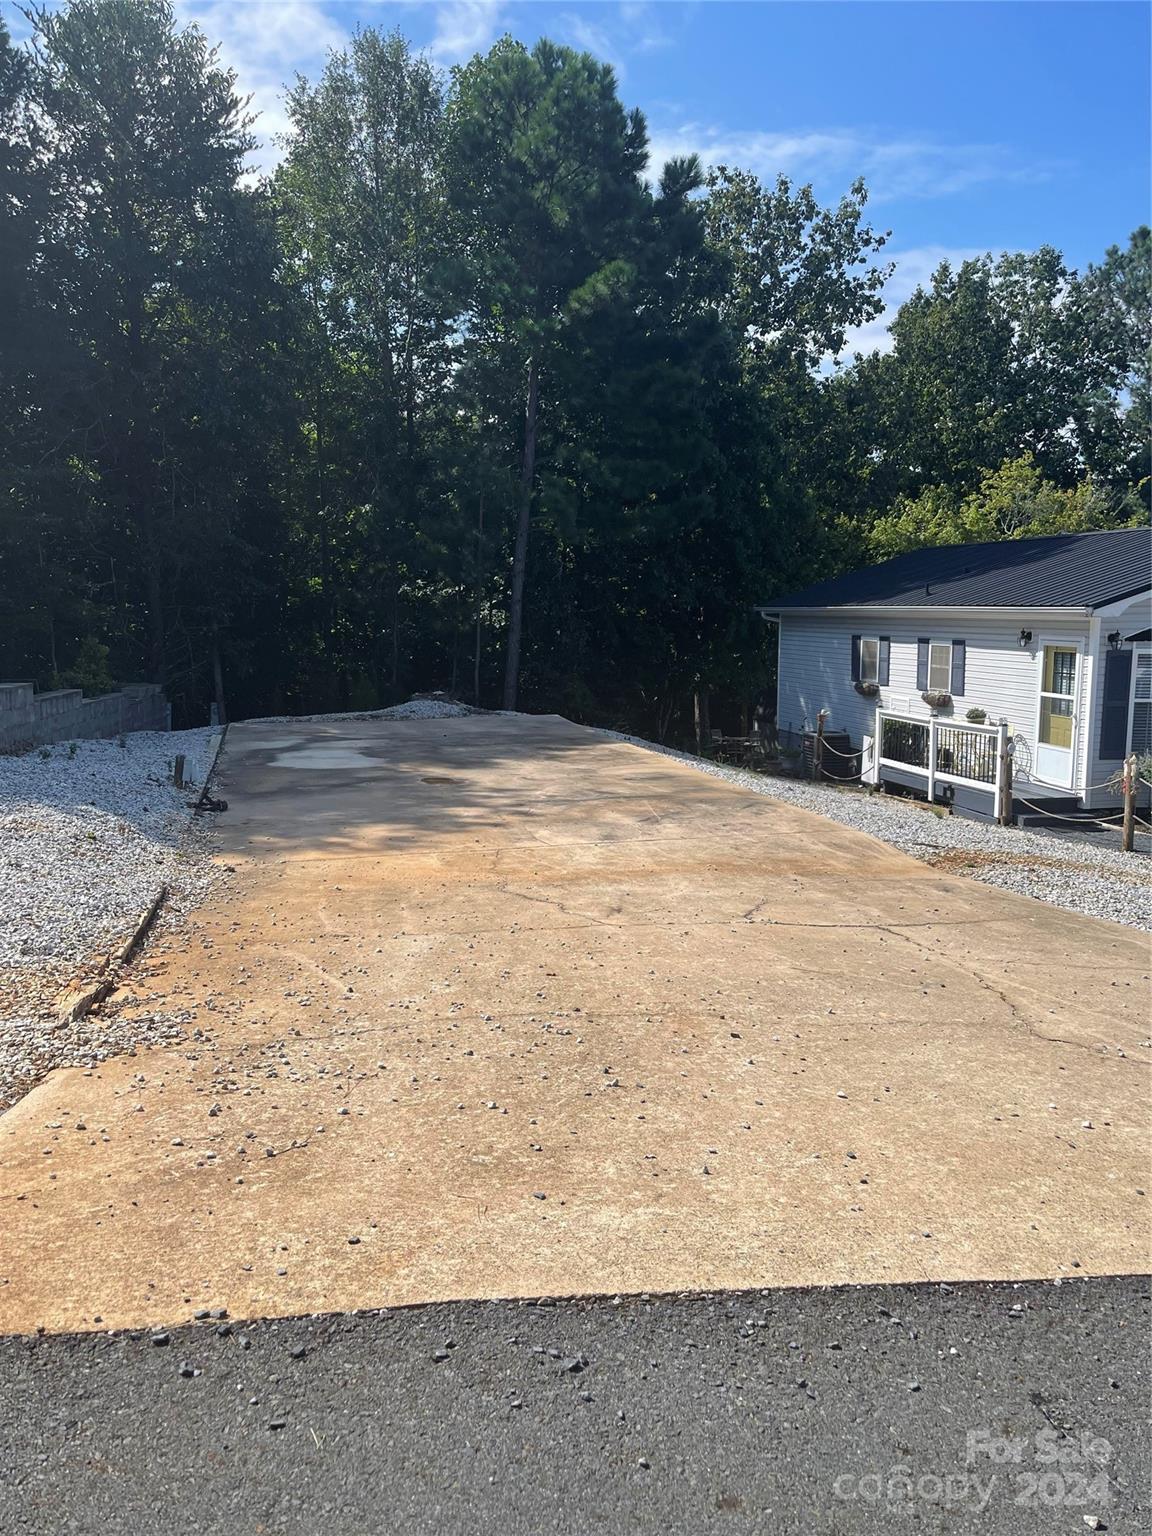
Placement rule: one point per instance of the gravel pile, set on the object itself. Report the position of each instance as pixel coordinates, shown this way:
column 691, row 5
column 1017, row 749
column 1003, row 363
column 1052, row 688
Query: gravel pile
column 89, row 831
column 1081, row 872
column 415, row 709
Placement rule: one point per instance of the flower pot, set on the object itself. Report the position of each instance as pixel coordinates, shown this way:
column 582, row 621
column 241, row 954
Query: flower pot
column 867, row 690
column 937, row 700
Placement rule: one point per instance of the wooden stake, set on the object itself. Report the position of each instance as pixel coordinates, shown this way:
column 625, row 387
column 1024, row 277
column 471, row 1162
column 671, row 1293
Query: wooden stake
column 1129, row 780
column 1004, row 778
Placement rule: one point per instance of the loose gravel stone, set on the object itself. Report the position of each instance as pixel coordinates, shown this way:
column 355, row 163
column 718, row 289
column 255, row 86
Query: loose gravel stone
column 89, row 832
column 414, row 709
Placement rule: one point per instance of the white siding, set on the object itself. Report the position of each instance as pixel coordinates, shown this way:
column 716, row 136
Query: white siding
column 1000, row 677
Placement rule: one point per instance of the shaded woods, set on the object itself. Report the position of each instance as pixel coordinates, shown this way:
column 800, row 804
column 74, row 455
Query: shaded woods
column 467, row 395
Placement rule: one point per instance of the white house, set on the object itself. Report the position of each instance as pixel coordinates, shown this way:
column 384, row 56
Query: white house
column 1050, row 638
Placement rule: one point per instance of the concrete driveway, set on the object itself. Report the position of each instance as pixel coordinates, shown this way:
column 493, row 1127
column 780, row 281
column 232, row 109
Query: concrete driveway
column 500, row 1007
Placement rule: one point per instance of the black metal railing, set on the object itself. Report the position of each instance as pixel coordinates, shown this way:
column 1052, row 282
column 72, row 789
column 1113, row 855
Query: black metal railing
column 904, row 741
column 966, row 754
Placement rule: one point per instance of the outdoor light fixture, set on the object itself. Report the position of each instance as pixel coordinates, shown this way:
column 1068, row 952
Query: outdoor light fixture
column 1025, row 639
column 1114, row 639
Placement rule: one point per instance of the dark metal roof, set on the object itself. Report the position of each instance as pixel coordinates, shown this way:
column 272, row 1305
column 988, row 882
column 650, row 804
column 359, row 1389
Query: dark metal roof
column 1071, row 570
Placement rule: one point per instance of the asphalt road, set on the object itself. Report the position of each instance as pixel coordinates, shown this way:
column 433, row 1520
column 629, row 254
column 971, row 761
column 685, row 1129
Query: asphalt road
column 1014, row 1408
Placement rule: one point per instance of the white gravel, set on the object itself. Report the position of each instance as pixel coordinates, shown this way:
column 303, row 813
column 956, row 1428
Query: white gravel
column 89, row 831
column 1080, row 871
column 414, row 709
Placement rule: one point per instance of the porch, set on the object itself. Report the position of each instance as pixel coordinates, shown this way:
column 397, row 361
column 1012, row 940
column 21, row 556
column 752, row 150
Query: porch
column 966, row 767
column 970, row 768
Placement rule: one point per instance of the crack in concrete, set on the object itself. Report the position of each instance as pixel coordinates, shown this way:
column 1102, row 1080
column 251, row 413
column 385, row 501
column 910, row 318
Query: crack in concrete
column 1015, row 1010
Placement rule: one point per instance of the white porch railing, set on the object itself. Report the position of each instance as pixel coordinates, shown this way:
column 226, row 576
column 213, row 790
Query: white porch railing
column 940, row 751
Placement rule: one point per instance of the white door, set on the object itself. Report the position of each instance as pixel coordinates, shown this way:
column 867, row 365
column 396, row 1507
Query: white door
column 1056, row 731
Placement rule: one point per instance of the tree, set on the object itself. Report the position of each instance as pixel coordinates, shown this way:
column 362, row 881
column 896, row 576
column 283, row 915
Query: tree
column 457, row 393
column 363, row 222
column 1012, row 502
column 799, row 275
column 1115, row 312
column 545, row 175
column 157, row 265
column 999, row 358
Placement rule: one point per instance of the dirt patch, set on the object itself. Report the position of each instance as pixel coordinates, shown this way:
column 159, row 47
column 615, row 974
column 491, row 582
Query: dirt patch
column 961, row 860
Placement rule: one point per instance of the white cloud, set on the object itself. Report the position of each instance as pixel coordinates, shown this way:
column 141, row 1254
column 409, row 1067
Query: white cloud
column 630, row 28
column 267, row 42
column 591, row 38
column 640, row 19
column 465, row 27
column 892, row 168
column 913, row 269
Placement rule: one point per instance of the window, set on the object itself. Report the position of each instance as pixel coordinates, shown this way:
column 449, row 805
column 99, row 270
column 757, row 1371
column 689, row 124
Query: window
column 869, row 659
column 940, row 666
column 871, row 656
column 1140, row 716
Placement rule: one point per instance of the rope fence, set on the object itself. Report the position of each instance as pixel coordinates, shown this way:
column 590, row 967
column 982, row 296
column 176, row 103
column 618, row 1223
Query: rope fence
column 1079, row 820
column 1086, row 820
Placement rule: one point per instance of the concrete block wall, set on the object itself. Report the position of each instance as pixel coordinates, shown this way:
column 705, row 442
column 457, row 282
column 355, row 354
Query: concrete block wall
column 31, row 719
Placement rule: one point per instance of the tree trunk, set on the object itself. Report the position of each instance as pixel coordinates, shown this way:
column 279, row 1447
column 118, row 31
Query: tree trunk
column 218, row 684
column 157, row 632
column 479, row 600
column 395, row 634
column 520, row 554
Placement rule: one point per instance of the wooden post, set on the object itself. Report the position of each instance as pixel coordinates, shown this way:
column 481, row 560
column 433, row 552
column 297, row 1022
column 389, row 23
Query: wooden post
column 178, row 771
column 932, row 729
column 1003, row 776
column 1129, row 782
column 877, row 747
column 818, row 747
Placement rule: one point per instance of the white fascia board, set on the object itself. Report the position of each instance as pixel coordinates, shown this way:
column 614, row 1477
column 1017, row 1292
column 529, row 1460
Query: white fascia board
column 1124, row 604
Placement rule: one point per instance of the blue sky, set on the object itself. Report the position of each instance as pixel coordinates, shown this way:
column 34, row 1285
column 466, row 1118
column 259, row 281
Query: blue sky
column 982, row 125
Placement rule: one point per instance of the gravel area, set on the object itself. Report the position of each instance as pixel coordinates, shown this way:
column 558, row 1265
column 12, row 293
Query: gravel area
column 1082, row 872
column 89, row 831
column 414, row 709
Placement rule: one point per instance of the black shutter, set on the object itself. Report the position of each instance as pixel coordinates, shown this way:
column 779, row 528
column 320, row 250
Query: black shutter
column 922, row 664
column 855, row 658
column 957, row 689
column 1114, row 705
column 882, row 671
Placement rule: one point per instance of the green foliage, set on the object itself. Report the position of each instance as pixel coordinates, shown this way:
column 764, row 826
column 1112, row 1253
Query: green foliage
column 463, row 390
column 90, row 669
column 1012, row 502
column 1002, row 358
